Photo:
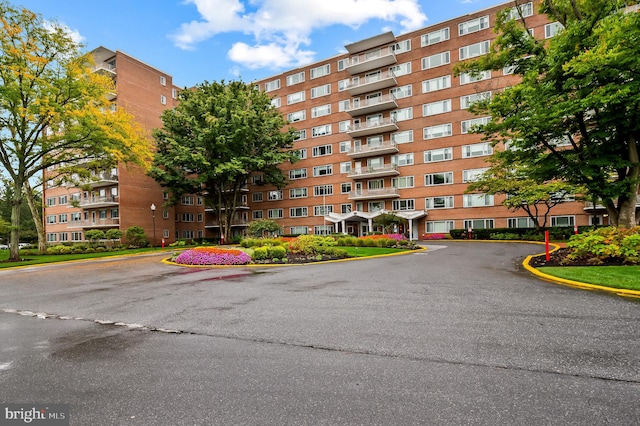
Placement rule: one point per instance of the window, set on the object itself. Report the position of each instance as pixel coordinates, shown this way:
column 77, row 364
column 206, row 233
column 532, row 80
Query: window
column 256, row 214
column 165, row 214
column 476, row 150
column 343, row 126
column 479, row 224
column 436, row 60
column 298, row 193
column 442, row 178
column 199, row 200
column 445, row 202
column 408, row 204
column 272, row 85
column 257, row 197
column 402, row 114
column 298, row 173
column 320, row 91
column 52, row 237
column 300, row 135
column 163, row 80
column 508, row 70
column 295, row 78
column 321, row 190
column 274, row 195
column 473, row 50
column 62, row 200
column 473, row 25
column 294, row 98
column 322, row 210
column 319, row 151
column 468, row 125
column 298, row 230
column 174, row 93
column 402, row 137
column 438, row 226
column 298, row 212
column 401, row 92
column 76, row 236
column 320, row 71
column 437, row 83
column 188, row 234
column 521, row 11
column 275, row 213
column 320, row 111
column 51, row 218
column 165, row 195
column 435, row 155
column 552, row 29
column 402, row 159
column 343, row 84
column 187, row 217
column 438, row 107
column 163, row 99
column 520, row 222
column 345, row 146
column 562, row 221
column 321, row 130
column 472, row 175
column 468, row 100
column 102, row 214
column 187, row 200
column 346, row 208
column 374, row 184
column 435, row 37
column 345, row 187
column 323, row 170
column 75, row 197
column 345, row 167
column 343, row 64
column 76, row 217
column 401, row 69
column 477, row 200
column 439, row 131
column 401, row 47
column 62, row 218
column 276, row 102
column 402, row 182
column 560, row 141
column 466, row 78
column 344, row 105
column 51, row 201
column 323, row 229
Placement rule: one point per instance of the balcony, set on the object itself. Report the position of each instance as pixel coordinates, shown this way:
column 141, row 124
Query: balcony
column 374, row 59
column 373, row 194
column 107, row 68
column 103, row 179
column 241, row 206
column 372, row 105
column 96, row 202
column 374, row 172
column 98, row 223
column 372, row 127
column 369, row 150
column 588, row 206
column 372, row 83
column 111, row 96
column 236, row 223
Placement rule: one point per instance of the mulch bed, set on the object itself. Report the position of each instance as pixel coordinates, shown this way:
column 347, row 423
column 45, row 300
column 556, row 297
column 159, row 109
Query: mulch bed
column 558, row 258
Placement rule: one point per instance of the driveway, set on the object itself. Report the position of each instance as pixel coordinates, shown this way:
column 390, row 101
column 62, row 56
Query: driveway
column 459, row 334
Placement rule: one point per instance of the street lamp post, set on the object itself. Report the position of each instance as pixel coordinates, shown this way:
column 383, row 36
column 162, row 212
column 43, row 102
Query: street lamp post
column 153, row 218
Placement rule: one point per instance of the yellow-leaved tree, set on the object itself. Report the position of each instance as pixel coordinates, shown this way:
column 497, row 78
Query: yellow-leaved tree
column 55, row 115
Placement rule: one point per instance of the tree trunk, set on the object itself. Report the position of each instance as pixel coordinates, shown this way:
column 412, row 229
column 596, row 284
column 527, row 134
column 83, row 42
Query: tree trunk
column 37, row 219
column 627, row 213
column 16, row 203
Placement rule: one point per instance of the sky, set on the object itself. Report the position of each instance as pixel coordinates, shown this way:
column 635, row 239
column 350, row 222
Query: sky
column 214, row 40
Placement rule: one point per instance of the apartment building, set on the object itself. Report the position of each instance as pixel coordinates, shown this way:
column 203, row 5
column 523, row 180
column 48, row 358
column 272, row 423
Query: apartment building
column 123, row 197
column 385, row 128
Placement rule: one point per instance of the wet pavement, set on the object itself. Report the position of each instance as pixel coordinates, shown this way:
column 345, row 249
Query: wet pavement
column 457, row 335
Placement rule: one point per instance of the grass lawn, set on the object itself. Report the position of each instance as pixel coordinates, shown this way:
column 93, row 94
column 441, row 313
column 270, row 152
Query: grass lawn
column 38, row 259
column 626, row 277
column 370, row 251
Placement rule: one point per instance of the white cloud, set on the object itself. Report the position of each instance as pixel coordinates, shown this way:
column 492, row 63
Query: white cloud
column 74, row 34
column 281, row 28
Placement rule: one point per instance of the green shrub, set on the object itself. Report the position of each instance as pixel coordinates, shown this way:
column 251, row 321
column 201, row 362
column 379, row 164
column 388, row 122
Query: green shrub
column 59, row 249
column 260, row 253
column 277, row 251
column 359, row 242
column 76, row 250
column 101, row 249
column 136, row 236
column 369, row 242
column 505, row 236
column 90, row 250
column 611, row 243
column 402, row 243
column 308, row 244
column 29, row 252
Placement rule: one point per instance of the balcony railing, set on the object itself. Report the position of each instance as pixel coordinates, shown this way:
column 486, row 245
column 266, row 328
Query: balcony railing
column 589, row 205
column 373, row 59
column 94, row 202
column 382, row 125
column 235, row 223
column 372, row 105
column 103, row 179
column 372, row 83
column 105, row 67
column 386, row 147
column 374, row 171
column 370, row 194
column 98, row 223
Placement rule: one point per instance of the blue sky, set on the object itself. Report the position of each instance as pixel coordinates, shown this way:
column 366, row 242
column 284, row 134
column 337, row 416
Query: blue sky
column 213, row 40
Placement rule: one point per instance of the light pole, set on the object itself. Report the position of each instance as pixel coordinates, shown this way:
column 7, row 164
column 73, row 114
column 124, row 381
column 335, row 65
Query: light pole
column 153, row 218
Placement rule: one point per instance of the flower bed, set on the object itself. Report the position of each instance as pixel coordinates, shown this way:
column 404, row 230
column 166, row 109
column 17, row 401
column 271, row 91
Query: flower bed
column 213, row 256
column 397, row 237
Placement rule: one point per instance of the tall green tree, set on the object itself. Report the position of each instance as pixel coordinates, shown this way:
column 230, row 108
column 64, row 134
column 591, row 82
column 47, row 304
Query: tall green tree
column 54, row 111
column 575, row 115
column 217, row 136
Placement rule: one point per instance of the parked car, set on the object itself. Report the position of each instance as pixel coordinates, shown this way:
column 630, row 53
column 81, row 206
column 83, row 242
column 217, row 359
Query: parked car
column 4, row 247
column 23, row 245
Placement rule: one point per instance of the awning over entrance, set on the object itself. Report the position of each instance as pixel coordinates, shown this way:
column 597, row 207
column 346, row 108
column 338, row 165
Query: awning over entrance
column 358, row 216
